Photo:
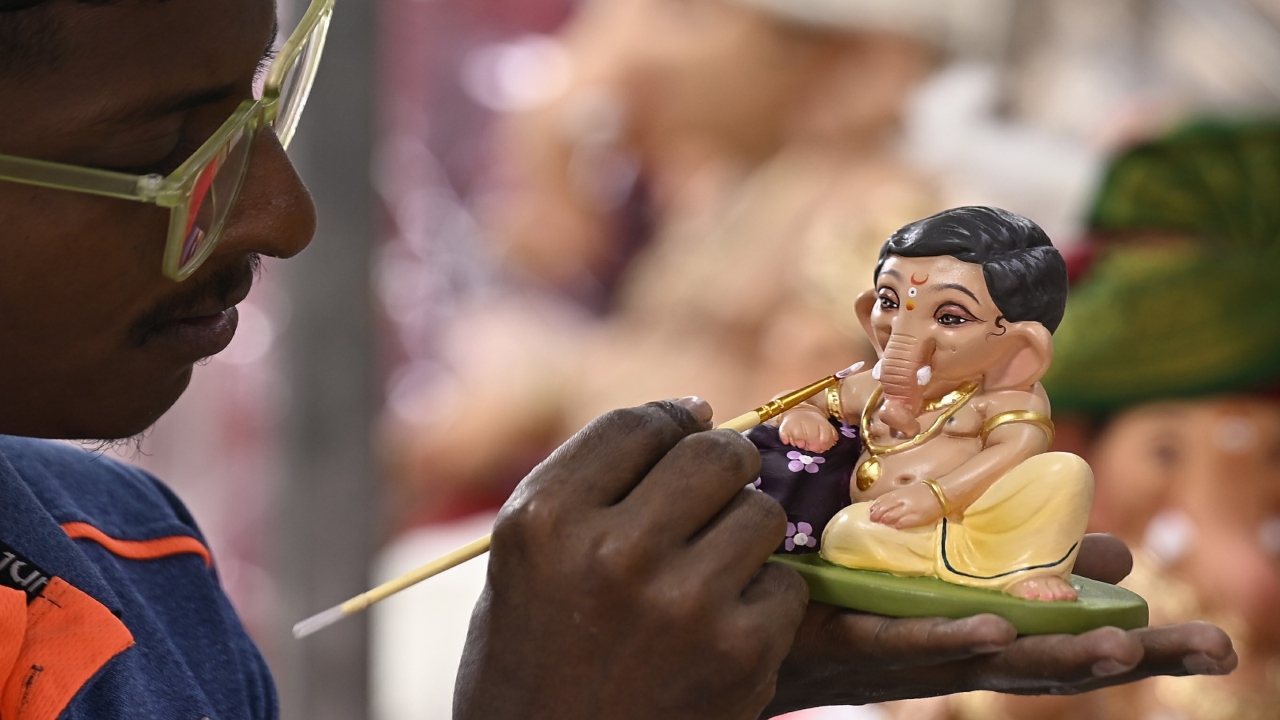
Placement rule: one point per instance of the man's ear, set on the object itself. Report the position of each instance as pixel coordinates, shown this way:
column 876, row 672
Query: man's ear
column 1028, row 354
column 863, row 306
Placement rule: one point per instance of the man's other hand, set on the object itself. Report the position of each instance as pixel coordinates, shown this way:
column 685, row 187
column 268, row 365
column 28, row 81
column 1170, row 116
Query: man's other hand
column 843, row 657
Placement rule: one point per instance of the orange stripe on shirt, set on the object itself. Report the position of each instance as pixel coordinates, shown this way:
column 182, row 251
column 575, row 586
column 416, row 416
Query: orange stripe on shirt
column 139, row 549
column 69, row 637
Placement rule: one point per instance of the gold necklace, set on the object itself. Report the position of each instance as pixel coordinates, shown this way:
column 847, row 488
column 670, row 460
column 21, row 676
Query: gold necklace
column 869, row 470
column 960, row 394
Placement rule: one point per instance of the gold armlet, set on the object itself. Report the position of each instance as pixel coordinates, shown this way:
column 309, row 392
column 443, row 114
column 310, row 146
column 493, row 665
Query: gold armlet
column 1015, row 416
column 942, row 497
column 834, row 408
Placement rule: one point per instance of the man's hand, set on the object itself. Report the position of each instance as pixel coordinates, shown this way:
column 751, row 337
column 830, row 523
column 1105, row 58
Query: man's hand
column 627, row 580
column 843, row 657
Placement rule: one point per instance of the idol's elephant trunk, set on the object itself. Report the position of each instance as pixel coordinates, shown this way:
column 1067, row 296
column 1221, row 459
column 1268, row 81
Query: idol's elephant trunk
column 904, row 369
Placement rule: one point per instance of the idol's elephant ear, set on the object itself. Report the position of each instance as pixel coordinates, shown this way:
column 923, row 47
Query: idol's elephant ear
column 863, row 306
column 1026, row 359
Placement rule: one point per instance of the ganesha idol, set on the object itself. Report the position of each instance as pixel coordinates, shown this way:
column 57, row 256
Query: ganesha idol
column 944, row 442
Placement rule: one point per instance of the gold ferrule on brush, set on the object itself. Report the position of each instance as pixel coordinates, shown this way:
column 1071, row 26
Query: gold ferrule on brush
column 779, row 405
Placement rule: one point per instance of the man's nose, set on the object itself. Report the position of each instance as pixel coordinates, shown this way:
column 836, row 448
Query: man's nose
column 275, row 215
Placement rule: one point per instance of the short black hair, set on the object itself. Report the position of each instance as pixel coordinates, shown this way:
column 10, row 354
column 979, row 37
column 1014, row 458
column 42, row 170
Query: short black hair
column 1025, row 274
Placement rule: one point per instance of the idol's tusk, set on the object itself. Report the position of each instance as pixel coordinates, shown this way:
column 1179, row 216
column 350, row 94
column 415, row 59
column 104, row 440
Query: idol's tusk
column 924, row 375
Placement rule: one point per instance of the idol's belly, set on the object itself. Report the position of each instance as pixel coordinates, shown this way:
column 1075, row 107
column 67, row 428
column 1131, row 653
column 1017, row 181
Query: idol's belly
column 929, row 461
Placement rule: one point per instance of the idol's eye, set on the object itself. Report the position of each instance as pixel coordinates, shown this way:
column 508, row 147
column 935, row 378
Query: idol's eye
column 952, row 315
column 888, row 299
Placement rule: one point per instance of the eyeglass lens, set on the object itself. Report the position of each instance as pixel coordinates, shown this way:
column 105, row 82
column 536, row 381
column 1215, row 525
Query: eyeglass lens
column 296, row 85
column 214, row 194
column 218, row 185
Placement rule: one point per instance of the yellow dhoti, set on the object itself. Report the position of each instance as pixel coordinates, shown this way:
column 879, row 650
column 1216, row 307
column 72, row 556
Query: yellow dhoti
column 1028, row 523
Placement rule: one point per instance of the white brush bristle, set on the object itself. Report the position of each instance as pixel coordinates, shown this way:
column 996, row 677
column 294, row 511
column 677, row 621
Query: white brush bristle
column 850, row 370
column 318, row 622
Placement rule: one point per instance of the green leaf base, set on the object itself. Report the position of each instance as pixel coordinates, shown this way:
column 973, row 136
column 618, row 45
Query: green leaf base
column 1099, row 605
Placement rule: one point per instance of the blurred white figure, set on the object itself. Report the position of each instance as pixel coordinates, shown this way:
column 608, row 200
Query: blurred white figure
column 418, row 635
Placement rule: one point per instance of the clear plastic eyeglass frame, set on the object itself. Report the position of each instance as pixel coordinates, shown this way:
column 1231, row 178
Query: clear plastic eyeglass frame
column 201, row 193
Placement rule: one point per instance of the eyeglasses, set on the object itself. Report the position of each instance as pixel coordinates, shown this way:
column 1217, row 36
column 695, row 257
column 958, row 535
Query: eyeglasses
column 201, row 193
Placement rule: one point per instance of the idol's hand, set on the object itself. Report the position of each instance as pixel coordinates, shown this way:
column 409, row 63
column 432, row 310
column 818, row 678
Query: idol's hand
column 805, row 427
column 627, row 580
column 842, row 657
column 912, row 506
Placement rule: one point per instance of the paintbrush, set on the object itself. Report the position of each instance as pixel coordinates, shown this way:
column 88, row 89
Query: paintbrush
column 741, row 423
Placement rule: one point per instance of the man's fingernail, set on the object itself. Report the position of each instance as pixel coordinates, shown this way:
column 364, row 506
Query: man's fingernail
column 1201, row 664
column 1109, row 667
column 696, row 405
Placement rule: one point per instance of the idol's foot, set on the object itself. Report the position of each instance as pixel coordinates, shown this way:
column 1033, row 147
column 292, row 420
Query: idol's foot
column 1043, row 587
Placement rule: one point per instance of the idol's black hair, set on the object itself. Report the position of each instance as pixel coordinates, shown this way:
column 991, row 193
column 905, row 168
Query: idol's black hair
column 1025, row 274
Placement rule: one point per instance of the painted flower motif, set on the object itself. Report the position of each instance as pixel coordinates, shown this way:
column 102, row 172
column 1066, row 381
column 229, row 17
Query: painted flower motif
column 848, row 430
column 800, row 461
column 755, row 485
column 800, row 535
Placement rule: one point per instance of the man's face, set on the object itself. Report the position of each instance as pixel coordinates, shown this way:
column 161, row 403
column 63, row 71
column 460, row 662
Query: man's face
column 94, row 341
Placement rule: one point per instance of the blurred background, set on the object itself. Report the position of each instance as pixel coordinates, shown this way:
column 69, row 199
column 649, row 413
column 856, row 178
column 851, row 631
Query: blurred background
column 533, row 211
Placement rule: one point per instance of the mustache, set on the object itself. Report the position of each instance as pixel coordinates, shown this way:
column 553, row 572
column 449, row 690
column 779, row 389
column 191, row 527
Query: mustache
column 195, row 296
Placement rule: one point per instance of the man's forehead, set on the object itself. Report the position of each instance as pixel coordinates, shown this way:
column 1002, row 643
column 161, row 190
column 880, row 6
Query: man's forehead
column 112, row 62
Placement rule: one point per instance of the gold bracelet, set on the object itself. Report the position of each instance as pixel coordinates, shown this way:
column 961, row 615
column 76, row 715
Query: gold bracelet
column 942, row 497
column 1027, row 416
column 834, row 407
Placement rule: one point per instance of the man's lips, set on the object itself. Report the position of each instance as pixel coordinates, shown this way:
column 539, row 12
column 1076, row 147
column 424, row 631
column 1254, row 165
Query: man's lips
column 203, row 322
column 198, row 337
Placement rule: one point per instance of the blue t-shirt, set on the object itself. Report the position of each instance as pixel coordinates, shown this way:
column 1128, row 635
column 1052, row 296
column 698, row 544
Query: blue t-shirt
column 110, row 605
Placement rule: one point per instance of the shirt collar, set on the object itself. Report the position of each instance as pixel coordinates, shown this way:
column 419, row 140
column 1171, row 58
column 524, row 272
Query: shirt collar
column 28, row 527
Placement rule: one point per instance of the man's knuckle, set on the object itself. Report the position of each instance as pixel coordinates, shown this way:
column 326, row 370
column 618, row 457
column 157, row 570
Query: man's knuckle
column 648, row 425
column 791, row 585
column 682, row 604
column 765, row 512
column 727, row 451
column 623, row 421
column 742, row 653
column 527, row 519
column 622, row 560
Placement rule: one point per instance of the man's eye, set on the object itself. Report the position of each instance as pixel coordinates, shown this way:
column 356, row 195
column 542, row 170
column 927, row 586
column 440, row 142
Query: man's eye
column 163, row 166
column 951, row 320
column 888, row 303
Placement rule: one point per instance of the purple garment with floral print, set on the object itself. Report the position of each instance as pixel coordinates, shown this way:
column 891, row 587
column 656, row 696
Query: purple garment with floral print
column 811, row 487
